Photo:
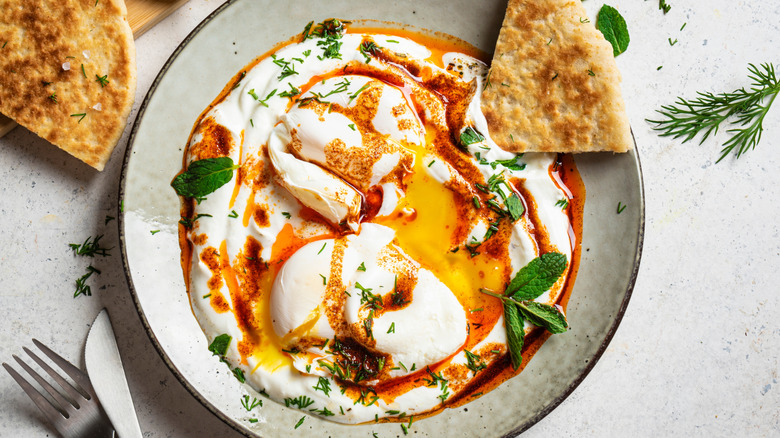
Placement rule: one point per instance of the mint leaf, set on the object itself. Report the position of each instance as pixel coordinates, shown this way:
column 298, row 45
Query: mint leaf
column 544, row 315
column 515, row 334
column 515, row 206
column 614, row 28
column 536, row 277
column 470, row 136
column 511, row 163
column 203, row 177
column 220, row 345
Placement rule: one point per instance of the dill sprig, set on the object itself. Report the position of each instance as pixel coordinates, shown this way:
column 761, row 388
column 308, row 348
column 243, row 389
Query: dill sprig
column 687, row 118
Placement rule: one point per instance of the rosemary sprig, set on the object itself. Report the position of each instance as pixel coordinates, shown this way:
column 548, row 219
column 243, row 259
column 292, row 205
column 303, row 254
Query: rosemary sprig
column 705, row 114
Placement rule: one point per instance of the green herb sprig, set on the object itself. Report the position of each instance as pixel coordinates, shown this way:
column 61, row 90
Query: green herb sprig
column 534, row 279
column 614, row 28
column 743, row 109
column 251, row 405
column 82, row 288
column 90, row 248
column 219, row 345
column 204, row 177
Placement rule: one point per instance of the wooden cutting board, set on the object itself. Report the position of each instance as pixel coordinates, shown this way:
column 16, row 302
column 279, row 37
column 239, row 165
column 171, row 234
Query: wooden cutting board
column 142, row 15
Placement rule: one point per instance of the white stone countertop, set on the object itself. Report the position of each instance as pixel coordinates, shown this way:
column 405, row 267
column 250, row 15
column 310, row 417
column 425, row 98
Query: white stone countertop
column 696, row 354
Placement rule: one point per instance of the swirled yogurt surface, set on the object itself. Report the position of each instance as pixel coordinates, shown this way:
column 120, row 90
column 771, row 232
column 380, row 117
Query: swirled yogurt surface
column 342, row 264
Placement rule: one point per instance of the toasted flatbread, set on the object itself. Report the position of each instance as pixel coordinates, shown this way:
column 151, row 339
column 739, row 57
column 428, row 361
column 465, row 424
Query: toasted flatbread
column 53, row 54
column 553, row 83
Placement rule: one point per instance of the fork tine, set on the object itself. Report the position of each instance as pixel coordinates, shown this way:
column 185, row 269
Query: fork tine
column 52, row 414
column 60, row 403
column 74, row 395
column 76, row 374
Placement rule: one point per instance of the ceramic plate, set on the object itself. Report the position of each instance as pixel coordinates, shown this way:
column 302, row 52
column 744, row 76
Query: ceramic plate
column 225, row 42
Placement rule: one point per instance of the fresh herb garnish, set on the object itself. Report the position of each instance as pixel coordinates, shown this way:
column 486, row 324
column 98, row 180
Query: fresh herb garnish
column 302, row 402
column 441, row 381
column 82, row 288
column 357, row 93
column 325, row 412
column 189, row 222
column 80, row 116
column 332, row 27
column 474, row 362
column 239, row 374
column 511, row 163
column 538, row 276
column 662, row 5
column 368, row 324
column 323, row 384
column 264, row 101
column 251, row 405
column 298, row 424
column 103, row 80
column 515, row 206
column 705, row 114
column 291, row 93
column 90, row 249
column 288, row 69
column 286, row 215
column 330, row 48
column 614, row 28
column 371, row 300
column 367, row 48
column 204, row 176
column 563, row 203
column 620, row 207
column 529, row 283
column 340, row 88
column 470, row 136
column 219, row 345
column 233, row 214
column 362, row 267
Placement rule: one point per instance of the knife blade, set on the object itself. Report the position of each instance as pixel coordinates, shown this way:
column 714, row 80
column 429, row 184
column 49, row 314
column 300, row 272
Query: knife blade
column 104, row 367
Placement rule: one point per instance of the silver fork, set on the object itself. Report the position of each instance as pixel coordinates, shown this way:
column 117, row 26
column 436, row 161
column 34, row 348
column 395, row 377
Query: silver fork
column 75, row 414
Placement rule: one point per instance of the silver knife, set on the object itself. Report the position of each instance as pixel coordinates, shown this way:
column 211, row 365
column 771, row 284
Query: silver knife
column 104, row 367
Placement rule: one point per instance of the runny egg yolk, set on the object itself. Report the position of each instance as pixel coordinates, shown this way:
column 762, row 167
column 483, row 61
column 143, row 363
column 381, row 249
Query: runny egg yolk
column 425, row 221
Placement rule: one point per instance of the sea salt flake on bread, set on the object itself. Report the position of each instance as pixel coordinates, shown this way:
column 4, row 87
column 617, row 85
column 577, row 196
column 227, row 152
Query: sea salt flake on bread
column 553, row 84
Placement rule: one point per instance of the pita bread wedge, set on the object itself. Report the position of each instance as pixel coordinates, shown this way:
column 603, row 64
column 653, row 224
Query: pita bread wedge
column 67, row 72
column 553, row 84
